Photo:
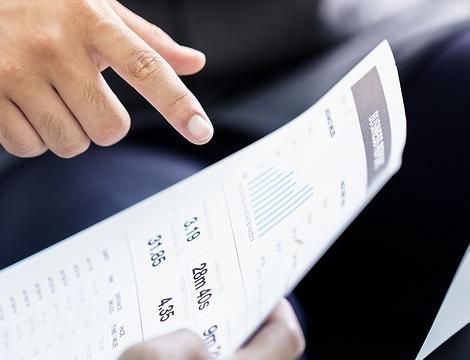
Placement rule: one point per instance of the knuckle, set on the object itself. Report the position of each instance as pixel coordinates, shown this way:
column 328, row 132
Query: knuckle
column 156, row 31
column 102, row 26
column 59, row 138
column 12, row 71
column 112, row 132
column 84, row 12
column 177, row 100
column 159, row 34
column 53, row 126
column 24, row 149
column 143, row 65
column 72, row 148
column 47, row 42
column 80, row 5
column 21, row 146
column 93, row 95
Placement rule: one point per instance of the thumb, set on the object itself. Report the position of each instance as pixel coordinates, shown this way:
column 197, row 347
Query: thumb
column 280, row 338
column 178, row 345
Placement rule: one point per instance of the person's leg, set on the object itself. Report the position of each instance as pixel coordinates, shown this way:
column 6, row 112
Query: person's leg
column 47, row 199
column 366, row 298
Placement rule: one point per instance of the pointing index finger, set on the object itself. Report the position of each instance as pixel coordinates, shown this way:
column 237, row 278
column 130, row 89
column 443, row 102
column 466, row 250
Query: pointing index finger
column 148, row 72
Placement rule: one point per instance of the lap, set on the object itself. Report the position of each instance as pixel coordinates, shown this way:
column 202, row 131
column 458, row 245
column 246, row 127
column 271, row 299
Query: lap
column 47, row 199
column 380, row 292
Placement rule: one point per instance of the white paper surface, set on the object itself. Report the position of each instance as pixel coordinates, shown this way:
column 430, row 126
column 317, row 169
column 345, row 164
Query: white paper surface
column 454, row 313
column 217, row 251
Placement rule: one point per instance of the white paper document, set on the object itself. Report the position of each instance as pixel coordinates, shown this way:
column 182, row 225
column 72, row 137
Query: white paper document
column 450, row 331
column 216, row 252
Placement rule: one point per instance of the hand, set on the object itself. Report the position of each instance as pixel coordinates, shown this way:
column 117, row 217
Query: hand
column 52, row 93
column 280, row 338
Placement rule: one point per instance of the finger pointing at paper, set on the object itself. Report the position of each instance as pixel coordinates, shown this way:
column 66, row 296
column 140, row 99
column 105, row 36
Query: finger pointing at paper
column 52, row 93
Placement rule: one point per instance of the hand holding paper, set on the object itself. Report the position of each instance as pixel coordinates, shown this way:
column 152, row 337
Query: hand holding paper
column 215, row 253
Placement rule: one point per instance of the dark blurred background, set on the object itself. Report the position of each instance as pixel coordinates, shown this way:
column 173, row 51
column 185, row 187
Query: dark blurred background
column 369, row 297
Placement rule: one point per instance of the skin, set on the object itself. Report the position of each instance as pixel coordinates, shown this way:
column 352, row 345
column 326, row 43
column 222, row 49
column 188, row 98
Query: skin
column 53, row 97
column 52, row 93
column 280, row 338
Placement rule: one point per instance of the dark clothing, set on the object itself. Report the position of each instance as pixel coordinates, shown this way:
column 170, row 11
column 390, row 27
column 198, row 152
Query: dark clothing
column 247, row 41
column 368, row 297
column 243, row 40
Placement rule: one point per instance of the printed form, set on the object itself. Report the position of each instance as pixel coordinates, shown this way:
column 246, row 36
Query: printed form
column 216, row 252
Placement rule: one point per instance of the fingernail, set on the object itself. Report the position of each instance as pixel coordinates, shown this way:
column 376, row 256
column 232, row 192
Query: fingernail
column 200, row 129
